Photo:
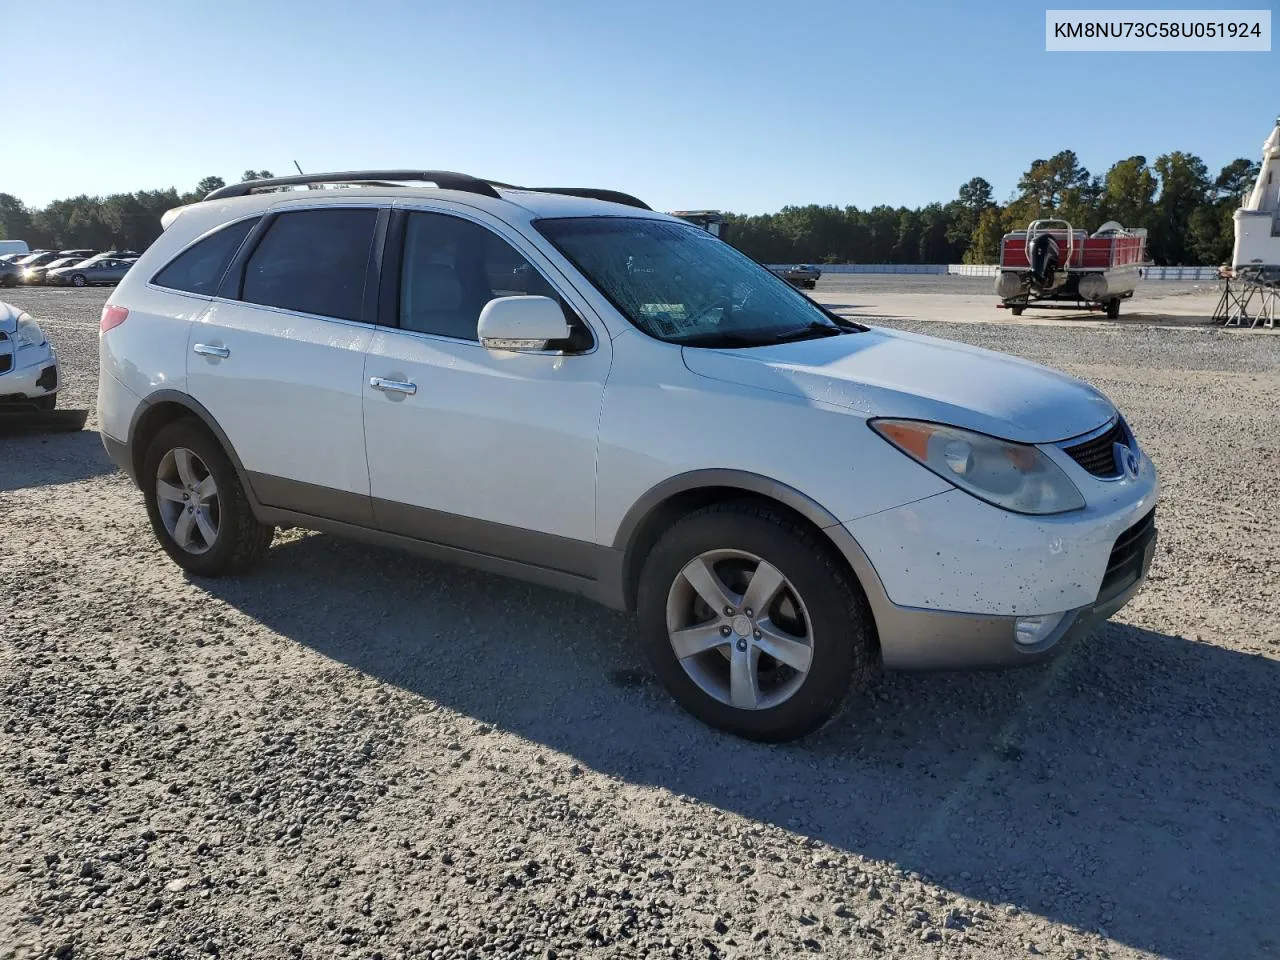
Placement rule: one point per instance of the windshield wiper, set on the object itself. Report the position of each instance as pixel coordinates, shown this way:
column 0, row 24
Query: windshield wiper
column 809, row 331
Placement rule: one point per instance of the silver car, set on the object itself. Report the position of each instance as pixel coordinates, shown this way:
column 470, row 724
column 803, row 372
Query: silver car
column 803, row 275
column 90, row 272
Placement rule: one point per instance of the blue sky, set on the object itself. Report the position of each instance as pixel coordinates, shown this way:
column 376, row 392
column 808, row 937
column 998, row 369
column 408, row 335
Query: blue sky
column 743, row 106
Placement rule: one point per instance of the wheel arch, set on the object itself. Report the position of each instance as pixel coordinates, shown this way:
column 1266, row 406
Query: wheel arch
column 678, row 496
column 163, row 408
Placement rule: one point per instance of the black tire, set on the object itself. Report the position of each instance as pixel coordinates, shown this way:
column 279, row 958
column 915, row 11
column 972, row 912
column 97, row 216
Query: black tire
column 78, row 280
column 241, row 540
column 1017, row 311
column 47, row 402
column 1113, row 308
column 844, row 655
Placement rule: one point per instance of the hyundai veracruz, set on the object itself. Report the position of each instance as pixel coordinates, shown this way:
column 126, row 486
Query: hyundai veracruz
column 562, row 385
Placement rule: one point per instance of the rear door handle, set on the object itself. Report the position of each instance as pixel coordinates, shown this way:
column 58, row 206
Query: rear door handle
column 393, row 386
column 211, row 350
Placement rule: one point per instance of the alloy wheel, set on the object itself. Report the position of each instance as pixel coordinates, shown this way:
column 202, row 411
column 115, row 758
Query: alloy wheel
column 187, row 498
column 740, row 630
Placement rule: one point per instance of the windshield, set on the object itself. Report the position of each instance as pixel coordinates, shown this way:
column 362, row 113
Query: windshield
column 679, row 283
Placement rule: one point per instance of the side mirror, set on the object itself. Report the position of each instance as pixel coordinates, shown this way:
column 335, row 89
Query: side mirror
column 521, row 323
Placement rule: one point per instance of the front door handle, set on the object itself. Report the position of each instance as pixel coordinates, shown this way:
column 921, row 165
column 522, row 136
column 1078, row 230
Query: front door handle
column 393, row 386
column 211, row 350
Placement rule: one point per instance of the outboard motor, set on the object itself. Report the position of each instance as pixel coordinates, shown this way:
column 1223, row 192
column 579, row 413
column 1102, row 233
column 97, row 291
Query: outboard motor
column 1045, row 260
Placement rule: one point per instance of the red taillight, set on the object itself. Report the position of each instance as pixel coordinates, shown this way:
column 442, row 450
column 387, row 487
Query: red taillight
column 112, row 316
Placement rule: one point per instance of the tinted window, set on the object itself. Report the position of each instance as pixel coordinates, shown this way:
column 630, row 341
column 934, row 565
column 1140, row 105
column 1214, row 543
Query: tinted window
column 199, row 268
column 313, row 261
column 452, row 268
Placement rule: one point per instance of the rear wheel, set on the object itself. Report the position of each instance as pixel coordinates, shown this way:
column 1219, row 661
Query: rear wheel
column 198, row 508
column 47, row 402
column 1113, row 308
column 1017, row 311
column 79, row 280
column 752, row 624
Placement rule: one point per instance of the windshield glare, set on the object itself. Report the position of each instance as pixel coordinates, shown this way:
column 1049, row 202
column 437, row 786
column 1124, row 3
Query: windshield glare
column 679, row 283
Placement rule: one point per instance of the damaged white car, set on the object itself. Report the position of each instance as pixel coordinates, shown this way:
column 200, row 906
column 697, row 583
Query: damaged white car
column 28, row 363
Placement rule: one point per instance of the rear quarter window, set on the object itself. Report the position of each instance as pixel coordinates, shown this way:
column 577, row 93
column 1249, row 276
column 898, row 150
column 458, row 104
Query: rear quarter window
column 200, row 267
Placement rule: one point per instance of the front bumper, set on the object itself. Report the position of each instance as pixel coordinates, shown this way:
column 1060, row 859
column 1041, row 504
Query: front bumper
column 38, row 375
column 914, row 638
column 949, row 577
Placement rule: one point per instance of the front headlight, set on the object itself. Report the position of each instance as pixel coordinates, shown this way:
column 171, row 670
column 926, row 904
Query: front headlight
column 28, row 334
column 1015, row 476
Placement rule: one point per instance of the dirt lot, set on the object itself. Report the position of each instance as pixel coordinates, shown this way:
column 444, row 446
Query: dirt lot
column 359, row 754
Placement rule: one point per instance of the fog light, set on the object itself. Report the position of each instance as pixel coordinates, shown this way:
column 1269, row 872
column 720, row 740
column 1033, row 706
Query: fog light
column 1028, row 631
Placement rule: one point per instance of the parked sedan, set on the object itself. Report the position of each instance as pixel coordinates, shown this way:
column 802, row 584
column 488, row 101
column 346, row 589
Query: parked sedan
column 799, row 275
column 39, row 273
column 40, row 258
column 10, row 274
column 89, row 273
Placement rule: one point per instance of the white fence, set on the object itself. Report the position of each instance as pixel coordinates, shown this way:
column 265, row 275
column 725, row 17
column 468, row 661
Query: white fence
column 1198, row 274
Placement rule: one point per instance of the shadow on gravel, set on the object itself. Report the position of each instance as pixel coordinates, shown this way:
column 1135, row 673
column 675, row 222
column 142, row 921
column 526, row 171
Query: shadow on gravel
column 1130, row 785
column 40, row 460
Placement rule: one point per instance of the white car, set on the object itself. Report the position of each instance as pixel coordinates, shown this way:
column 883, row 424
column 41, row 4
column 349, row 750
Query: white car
column 28, row 363
column 564, row 386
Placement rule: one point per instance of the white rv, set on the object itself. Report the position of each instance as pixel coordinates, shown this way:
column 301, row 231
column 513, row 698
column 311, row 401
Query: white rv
column 13, row 246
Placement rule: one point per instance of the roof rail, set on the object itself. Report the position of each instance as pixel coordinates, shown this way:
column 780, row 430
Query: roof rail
column 591, row 193
column 588, row 193
column 441, row 178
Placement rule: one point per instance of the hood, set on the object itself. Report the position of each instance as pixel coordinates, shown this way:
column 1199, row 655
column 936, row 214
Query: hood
column 888, row 373
column 9, row 315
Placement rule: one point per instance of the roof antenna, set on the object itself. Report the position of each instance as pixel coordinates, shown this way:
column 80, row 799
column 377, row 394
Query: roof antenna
column 300, row 173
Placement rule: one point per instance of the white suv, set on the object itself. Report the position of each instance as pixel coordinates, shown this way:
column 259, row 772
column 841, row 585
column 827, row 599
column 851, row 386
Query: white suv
column 564, row 386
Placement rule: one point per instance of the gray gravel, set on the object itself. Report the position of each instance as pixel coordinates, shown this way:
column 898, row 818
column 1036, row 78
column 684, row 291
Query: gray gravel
column 358, row 754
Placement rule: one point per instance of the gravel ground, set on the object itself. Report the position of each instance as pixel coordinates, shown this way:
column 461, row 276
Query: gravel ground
column 354, row 753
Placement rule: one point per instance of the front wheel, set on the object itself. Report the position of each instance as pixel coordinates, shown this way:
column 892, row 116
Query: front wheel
column 753, row 624
column 1113, row 308
column 198, row 509
column 1017, row 311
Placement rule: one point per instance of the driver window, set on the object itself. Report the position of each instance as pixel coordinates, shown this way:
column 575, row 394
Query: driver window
column 451, row 268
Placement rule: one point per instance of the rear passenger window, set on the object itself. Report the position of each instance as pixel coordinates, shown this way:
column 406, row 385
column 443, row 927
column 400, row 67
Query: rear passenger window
column 313, row 261
column 199, row 268
column 452, row 268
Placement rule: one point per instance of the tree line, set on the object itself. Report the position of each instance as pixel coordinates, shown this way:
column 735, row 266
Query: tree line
column 1186, row 211
column 1187, row 214
column 121, row 221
